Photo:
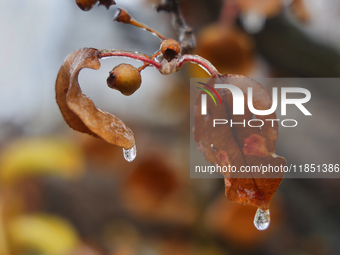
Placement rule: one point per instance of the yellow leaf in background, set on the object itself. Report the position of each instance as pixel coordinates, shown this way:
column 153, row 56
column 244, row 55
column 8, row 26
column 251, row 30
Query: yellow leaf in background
column 29, row 157
column 4, row 249
column 49, row 235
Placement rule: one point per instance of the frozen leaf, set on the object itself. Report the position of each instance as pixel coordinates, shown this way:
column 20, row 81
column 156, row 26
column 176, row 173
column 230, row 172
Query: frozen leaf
column 87, row 5
column 79, row 110
column 238, row 145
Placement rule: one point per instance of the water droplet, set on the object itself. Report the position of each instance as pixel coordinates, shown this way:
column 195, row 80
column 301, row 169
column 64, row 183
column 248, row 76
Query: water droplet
column 130, row 154
column 262, row 219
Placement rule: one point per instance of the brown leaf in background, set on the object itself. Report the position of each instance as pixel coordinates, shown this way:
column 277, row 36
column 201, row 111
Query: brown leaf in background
column 79, row 110
column 229, row 49
column 239, row 219
column 84, row 249
column 268, row 8
column 240, row 146
column 300, row 11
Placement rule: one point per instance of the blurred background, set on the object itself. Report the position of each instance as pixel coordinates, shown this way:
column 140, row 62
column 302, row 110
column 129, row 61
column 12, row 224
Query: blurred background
column 66, row 193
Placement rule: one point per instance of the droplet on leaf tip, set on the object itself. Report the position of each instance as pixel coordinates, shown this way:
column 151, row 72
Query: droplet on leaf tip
column 262, row 219
column 130, row 154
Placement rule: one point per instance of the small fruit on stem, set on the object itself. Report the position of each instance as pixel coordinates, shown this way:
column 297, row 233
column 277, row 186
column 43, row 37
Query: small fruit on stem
column 122, row 16
column 170, row 49
column 86, row 5
column 125, row 78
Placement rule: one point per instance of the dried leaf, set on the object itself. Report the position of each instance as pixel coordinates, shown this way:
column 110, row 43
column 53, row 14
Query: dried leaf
column 149, row 184
column 240, row 146
column 229, row 49
column 79, row 110
column 153, row 192
column 87, row 5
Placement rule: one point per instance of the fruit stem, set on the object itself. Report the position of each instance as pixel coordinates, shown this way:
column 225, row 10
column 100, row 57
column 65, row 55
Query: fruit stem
column 123, row 16
column 146, row 28
column 129, row 54
column 202, row 62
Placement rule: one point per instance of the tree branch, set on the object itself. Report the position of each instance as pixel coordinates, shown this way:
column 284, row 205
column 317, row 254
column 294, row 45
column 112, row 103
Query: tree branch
column 185, row 33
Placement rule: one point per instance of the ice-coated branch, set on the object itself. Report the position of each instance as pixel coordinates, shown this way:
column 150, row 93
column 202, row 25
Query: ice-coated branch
column 129, row 54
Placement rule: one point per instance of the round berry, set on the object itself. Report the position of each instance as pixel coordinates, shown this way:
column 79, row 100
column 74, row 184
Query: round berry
column 170, row 49
column 86, row 5
column 125, row 78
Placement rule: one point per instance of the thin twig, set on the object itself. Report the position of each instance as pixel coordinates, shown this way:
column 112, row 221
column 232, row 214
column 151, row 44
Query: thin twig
column 185, row 33
column 123, row 16
column 129, row 54
column 202, row 62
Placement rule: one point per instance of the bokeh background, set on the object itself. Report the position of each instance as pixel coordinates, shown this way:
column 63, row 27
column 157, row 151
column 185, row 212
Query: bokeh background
column 65, row 193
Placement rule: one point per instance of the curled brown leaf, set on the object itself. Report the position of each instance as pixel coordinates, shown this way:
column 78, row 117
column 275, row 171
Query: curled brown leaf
column 240, row 146
column 79, row 110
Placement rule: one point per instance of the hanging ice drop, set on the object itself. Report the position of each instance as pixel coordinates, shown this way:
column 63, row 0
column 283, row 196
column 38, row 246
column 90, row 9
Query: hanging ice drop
column 130, row 154
column 262, row 219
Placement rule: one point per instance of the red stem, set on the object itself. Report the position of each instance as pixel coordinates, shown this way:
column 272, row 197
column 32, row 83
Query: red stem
column 205, row 64
column 202, row 62
column 129, row 54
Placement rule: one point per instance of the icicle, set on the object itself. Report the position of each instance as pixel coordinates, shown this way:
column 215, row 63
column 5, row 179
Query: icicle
column 262, row 219
column 130, row 154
